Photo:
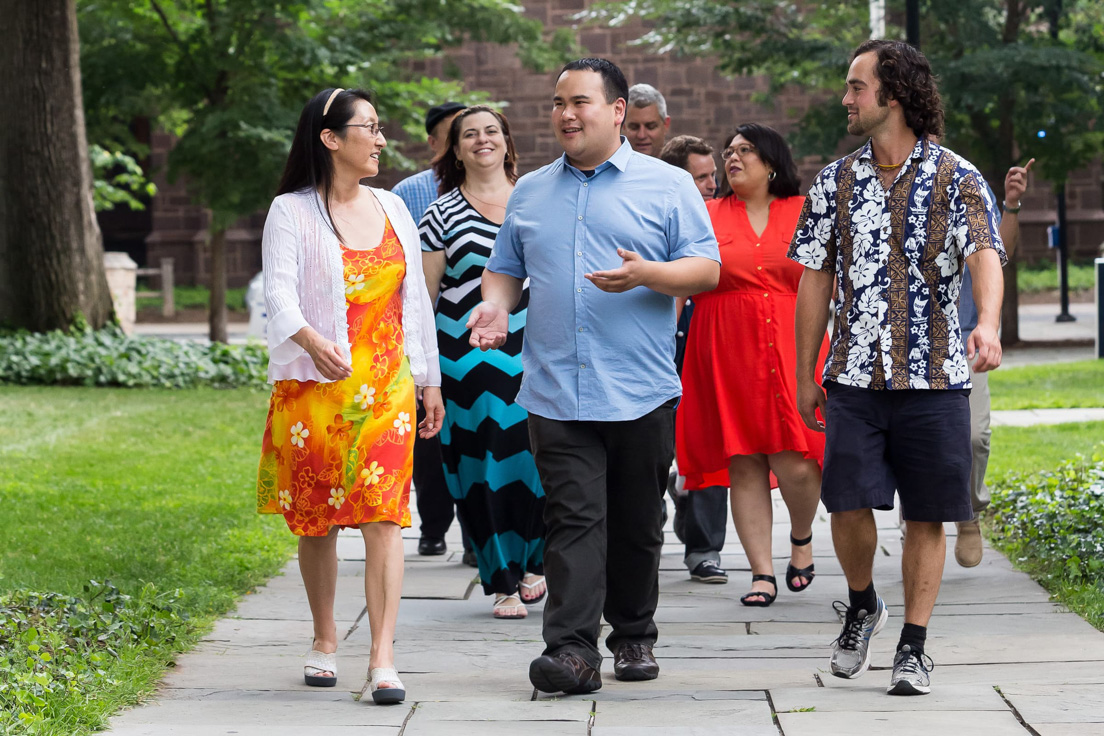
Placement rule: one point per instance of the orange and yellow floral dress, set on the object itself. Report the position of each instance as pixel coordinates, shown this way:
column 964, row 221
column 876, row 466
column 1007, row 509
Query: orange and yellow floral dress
column 340, row 454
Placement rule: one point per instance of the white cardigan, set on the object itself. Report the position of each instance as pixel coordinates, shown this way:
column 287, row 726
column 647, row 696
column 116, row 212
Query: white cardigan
column 304, row 284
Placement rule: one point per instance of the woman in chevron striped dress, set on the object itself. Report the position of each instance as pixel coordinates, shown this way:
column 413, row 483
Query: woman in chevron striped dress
column 489, row 466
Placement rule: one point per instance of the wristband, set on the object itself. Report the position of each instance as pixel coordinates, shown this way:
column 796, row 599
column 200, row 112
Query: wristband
column 1011, row 210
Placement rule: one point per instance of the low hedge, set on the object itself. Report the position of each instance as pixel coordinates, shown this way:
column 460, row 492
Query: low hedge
column 109, row 357
column 1049, row 523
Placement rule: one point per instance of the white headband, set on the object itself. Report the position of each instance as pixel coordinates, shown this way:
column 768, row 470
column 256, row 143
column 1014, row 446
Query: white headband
column 326, row 109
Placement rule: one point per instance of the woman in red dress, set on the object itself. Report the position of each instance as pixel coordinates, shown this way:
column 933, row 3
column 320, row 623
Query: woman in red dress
column 738, row 423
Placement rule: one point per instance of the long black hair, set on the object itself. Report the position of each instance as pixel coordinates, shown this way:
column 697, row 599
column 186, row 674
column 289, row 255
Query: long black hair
column 774, row 152
column 310, row 163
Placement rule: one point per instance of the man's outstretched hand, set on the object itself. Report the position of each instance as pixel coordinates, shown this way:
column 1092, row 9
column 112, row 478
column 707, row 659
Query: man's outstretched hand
column 489, row 325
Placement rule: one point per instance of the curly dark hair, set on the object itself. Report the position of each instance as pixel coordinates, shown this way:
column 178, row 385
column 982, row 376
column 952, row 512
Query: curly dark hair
column 450, row 172
column 906, row 76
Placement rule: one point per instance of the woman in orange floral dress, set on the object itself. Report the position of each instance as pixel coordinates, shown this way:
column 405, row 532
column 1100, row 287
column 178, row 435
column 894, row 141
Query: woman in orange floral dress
column 351, row 342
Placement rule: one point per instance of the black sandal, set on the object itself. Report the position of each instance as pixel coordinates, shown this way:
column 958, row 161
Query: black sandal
column 768, row 598
column 805, row 572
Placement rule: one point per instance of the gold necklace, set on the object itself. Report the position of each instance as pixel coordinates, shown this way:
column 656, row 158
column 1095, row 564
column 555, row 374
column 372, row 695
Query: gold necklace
column 483, row 201
column 886, row 167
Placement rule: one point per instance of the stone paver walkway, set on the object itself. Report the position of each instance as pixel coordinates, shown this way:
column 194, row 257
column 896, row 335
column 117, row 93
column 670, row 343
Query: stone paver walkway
column 1008, row 661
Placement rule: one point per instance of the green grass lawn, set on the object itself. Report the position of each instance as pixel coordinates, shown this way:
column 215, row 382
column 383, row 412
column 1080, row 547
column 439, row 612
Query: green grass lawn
column 1033, row 279
column 135, row 486
column 1052, row 386
column 195, row 297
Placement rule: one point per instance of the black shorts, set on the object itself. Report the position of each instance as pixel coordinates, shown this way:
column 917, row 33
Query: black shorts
column 915, row 442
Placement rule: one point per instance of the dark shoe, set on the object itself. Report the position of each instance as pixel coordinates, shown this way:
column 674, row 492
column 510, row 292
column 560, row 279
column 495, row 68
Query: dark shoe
column 565, row 672
column 469, row 558
column 709, row 571
column 805, row 572
column 758, row 598
column 431, row 546
column 634, row 661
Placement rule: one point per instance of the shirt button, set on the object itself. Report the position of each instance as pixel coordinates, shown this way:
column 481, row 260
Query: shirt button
column 757, row 245
column 580, row 217
column 766, row 294
column 578, row 252
column 680, row 333
column 770, row 344
column 758, row 268
column 772, row 370
column 581, row 329
column 579, row 290
column 778, row 396
column 768, row 320
column 586, row 183
column 582, row 365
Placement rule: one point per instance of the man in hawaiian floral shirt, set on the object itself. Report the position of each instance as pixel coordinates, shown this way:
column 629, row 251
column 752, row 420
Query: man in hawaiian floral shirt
column 891, row 226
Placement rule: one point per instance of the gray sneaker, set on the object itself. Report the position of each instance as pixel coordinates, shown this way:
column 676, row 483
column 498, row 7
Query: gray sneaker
column 851, row 650
column 910, row 673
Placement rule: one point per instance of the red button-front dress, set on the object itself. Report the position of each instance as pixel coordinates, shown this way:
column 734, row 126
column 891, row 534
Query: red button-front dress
column 739, row 385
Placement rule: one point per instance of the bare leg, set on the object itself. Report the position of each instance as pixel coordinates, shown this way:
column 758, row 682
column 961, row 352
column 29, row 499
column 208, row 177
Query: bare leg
column 799, row 482
column 922, row 569
column 318, row 566
column 753, row 515
column 855, row 536
column 383, row 576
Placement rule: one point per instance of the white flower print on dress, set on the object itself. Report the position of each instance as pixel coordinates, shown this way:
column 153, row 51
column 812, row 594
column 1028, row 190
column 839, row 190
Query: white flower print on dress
column 403, row 423
column 337, row 497
column 285, row 500
column 372, row 474
column 298, row 434
column 365, row 397
column 354, row 283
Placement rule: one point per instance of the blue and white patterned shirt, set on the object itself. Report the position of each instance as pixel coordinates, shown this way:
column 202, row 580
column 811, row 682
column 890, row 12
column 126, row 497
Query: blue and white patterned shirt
column 418, row 191
column 899, row 257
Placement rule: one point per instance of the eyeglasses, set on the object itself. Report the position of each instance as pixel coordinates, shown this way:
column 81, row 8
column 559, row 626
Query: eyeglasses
column 738, row 151
column 372, row 128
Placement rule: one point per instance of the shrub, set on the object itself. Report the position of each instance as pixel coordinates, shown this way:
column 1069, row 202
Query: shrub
column 55, row 649
column 1052, row 519
column 108, row 357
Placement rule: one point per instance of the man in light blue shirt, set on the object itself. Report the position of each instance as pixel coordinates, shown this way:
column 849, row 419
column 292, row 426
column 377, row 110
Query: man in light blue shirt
column 606, row 237
column 420, row 190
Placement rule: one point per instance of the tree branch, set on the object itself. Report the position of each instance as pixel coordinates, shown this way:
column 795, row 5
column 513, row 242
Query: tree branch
column 179, row 42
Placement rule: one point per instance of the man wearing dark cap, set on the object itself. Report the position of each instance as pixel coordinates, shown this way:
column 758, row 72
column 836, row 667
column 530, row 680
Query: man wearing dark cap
column 434, row 502
column 419, row 191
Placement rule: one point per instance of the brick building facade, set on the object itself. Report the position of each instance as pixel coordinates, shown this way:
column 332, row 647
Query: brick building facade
column 700, row 102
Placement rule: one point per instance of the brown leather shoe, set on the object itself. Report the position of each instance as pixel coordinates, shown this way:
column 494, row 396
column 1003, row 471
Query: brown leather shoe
column 564, row 672
column 968, row 547
column 634, row 661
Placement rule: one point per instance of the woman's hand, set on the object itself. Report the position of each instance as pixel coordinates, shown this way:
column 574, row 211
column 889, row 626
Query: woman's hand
column 325, row 353
column 434, row 407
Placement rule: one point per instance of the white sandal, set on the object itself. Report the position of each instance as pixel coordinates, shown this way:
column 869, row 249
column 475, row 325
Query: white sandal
column 386, row 695
column 502, row 609
column 317, row 663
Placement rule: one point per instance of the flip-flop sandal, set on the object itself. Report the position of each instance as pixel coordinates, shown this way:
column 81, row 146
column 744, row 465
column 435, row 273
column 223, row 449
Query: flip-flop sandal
column 317, row 663
column 757, row 598
column 502, row 609
column 529, row 586
column 396, row 693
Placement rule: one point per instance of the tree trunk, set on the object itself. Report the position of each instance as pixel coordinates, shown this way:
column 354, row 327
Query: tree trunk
column 51, row 251
column 217, row 315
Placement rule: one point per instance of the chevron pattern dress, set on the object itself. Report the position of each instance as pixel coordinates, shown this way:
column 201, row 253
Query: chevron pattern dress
column 489, row 465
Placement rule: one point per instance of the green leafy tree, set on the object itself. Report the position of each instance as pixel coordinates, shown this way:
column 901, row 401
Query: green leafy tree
column 229, row 78
column 1008, row 69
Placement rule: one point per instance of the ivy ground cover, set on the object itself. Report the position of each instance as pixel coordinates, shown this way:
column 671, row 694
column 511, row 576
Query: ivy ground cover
column 129, row 525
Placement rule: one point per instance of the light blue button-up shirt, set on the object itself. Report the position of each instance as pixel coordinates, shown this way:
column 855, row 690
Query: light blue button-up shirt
column 589, row 355
column 418, row 191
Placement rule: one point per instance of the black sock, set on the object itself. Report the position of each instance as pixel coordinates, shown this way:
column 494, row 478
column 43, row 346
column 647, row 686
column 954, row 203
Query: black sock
column 864, row 600
column 914, row 636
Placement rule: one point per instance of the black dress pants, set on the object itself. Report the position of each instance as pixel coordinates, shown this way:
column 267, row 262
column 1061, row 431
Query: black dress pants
column 432, row 496
column 604, row 483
